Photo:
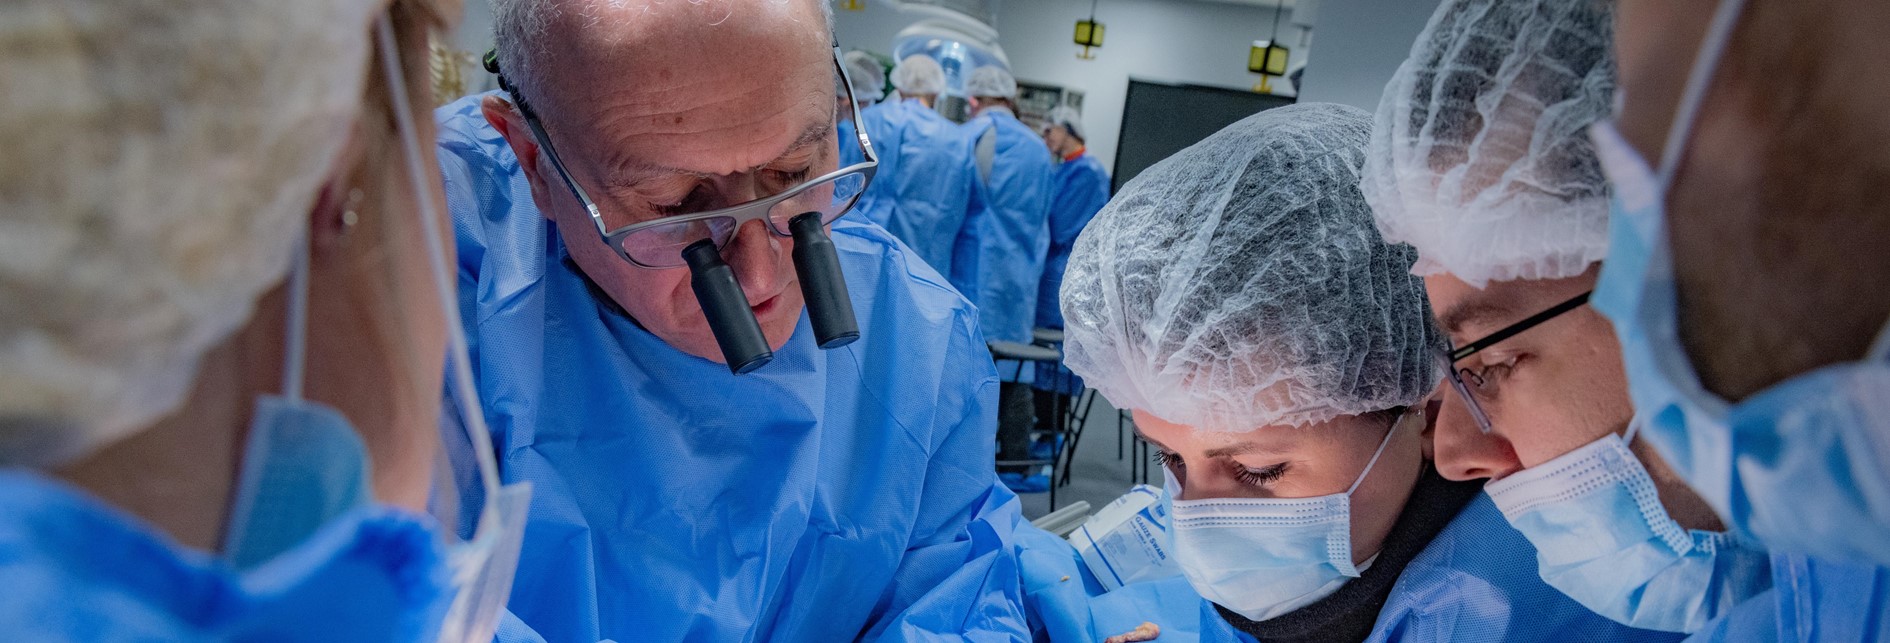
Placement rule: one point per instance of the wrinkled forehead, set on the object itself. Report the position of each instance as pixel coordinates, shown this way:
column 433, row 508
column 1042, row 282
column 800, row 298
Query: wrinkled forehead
column 714, row 87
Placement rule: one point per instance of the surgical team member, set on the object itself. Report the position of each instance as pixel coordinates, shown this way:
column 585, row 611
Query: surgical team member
column 828, row 495
column 923, row 189
column 1081, row 189
column 866, row 81
column 1745, row 280
column 1480, row 159
column 1010, row 218
column 195, row 448
column 1236, row 298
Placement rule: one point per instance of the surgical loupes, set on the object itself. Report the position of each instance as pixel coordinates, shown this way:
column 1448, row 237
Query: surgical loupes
column 829, row 308
column 737, row 333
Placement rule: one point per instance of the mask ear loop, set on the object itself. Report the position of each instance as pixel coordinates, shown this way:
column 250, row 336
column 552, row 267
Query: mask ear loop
column 295, row 340
column 1718, row 34
column 463, row 395
column 1880, row 347
column 1381, row 451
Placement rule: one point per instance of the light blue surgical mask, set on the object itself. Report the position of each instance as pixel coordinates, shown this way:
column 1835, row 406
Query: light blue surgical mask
column 1803, row 466
column 1603, row 538
column 1265, row 557
column 303, row 467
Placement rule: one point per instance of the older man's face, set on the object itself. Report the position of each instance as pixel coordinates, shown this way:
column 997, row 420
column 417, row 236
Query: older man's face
column 680, row 109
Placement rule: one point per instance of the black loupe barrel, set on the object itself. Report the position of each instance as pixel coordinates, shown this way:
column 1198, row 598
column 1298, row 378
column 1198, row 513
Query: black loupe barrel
column 734, row 325
column 822, row 285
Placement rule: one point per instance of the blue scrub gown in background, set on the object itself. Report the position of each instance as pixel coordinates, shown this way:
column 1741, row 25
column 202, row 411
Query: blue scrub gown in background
column 1082, row 187
column 828, row 496
column 922, row 190
column 1811, row 600
column 1013, row 225
column 75, row 569
column 849, row 153
column 1475, row 582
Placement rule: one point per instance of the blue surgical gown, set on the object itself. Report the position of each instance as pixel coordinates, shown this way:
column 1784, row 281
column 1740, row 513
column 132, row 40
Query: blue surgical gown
column 922, row 189
column 828, row 496
column 849, row 152
column 1811, row 600
column 76, row 569
column 1012, row 212
column 1082, row 187
column 1476, row 581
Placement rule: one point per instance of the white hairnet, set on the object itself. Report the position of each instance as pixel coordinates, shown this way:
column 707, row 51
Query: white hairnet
column 918, row 75
column 991, row 81
column 1066, row 116
column 1480, row 156
column 162, row 159
column 1240, row 283
column 865, row 74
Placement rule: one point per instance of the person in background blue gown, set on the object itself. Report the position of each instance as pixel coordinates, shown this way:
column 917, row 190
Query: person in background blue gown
column 1015, row 181
column 1766, row 386
column 208, row 430
column 1012, row 186
column 1286, row 390
column 829, row 495
column 1082, row 187
column 922, row 192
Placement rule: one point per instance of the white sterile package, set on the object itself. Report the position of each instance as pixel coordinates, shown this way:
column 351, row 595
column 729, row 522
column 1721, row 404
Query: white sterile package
column 1128, row 541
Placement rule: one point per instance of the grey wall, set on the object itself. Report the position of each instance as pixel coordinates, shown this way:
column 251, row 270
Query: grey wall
column 1173, row 41
column 1361, row 42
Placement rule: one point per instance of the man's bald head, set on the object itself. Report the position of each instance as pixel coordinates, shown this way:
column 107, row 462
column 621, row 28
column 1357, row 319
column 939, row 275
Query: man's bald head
column 546, row 44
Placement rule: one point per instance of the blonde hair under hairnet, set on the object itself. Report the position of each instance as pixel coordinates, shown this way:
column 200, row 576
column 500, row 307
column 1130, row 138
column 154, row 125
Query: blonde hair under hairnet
column 1240, row 284
column 1480, row 156
column 162, row 159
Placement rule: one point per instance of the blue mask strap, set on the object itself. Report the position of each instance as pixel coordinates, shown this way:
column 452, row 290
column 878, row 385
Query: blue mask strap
column 1381, row 451
column 1880, row 347
column 295, row 344
column 1718, row 33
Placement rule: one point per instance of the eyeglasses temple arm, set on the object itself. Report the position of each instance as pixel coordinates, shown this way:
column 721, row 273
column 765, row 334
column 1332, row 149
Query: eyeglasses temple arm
column 1473, row 347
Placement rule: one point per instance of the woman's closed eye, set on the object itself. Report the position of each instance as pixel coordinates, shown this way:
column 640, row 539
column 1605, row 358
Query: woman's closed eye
column 1259, row 477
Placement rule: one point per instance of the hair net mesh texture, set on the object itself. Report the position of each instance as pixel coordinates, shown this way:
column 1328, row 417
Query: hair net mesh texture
column 918, row 75
column 162, row 159
column 991, row 81
column 1240, row 283
column 866, row 76
column 1480, row 156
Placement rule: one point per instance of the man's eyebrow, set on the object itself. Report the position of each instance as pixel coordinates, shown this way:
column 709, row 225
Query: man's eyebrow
column 812, row 134
column 626, row 172
column 1479, row 309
